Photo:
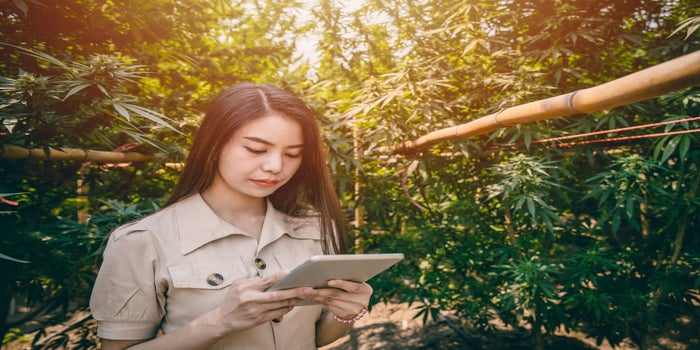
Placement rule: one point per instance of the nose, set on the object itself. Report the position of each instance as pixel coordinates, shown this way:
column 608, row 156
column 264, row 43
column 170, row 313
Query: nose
column 273, row 163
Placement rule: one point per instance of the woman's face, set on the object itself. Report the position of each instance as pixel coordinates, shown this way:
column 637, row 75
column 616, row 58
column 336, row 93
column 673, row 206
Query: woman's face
column 260, row 157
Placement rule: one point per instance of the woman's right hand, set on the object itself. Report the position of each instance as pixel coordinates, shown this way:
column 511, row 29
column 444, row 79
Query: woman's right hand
column 247, row 304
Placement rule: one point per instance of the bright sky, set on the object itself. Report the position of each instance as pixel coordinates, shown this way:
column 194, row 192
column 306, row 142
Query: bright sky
column 306, row 45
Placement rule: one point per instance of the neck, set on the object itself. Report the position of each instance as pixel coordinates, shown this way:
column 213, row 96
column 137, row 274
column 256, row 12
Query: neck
column 247, row 215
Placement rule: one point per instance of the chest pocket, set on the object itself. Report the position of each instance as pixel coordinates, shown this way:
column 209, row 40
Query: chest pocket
column 213, row 274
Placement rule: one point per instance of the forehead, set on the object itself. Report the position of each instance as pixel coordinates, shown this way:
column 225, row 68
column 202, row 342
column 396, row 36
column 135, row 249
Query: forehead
column 276, row 128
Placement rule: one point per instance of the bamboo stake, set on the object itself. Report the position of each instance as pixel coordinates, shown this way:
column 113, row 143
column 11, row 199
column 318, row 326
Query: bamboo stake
column 670, row 76
column 17, row 152
column 359, row 207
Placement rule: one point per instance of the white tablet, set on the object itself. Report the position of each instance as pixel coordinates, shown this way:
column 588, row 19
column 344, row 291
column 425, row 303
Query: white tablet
column 319, row 269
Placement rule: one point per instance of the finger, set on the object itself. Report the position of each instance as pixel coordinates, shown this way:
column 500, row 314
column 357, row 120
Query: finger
column 258, row 282
column 293, row 294
column 269, row 280
column 351, row 287
column 288, row 304
column 331, row 297
column 344, row 302
column 278, row 314
column 320, row 295
column 345, row 309
column 347, row 286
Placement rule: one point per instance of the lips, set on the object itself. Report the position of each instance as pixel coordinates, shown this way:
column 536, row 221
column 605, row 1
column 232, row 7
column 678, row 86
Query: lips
column 266, row 183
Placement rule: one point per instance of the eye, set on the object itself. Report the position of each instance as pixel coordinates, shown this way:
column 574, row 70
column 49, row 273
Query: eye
column 255, row 151
column 293, row 155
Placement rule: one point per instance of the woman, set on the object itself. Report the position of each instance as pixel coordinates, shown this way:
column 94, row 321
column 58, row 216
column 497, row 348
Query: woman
column 255, row 199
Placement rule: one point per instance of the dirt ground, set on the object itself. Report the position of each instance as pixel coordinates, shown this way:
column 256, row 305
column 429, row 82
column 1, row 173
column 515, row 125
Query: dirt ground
column 392, row 327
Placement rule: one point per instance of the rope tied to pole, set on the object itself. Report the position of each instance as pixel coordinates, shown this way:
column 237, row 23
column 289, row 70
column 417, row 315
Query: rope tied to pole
column 495, row 119
column 570, row 102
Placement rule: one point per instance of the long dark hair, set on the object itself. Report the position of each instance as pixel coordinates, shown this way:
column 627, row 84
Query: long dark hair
column 310, row 188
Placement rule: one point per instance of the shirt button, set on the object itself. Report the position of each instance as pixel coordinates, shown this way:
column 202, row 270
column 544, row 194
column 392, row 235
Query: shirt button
column 260, row 264
column 215, row 279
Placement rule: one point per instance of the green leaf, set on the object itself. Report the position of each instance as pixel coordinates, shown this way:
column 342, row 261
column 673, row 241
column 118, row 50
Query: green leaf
column 531, row 206
column 150, row 115
column 616, row 220
column 22, row 6
column 692, row 23
column 104, row 90
column 412, row 167
column 629, row 207
column 122, row 111
column 6, row 257
column 670, row 147
column 76, row 89
column 40, row 55
column 684, row 146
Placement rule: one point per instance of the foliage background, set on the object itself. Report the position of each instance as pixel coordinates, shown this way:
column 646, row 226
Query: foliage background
column 596, row 238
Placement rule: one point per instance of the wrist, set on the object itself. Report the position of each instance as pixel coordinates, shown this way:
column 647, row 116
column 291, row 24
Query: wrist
column 351, row 319
column 215, row 325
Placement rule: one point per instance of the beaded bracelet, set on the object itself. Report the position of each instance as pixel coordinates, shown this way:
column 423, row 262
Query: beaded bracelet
column 351, row 320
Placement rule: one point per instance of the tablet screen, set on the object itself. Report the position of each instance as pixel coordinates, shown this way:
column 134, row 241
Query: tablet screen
column 319, row 269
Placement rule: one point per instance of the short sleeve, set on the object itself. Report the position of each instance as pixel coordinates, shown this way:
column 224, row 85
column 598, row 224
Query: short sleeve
column 125, row 299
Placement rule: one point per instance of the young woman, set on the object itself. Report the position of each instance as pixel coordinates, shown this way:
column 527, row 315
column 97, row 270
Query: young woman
column 255, row 199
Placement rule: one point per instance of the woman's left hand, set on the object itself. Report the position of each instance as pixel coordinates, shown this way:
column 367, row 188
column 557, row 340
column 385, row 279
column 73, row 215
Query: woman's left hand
column 345, row 299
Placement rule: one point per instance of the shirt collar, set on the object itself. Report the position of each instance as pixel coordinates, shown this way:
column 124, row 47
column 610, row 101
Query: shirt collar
column 198, row 225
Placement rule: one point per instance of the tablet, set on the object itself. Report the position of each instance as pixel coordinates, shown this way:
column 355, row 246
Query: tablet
column 319, row 269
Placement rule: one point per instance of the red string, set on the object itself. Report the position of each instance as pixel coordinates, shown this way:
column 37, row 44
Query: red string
column 624, row 138
column 618, row 130
column 5, row 200
column 127, row 147
column 121, row 149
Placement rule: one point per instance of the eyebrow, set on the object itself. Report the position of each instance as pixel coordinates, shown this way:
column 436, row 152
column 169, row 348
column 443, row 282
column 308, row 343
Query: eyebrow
column 265, row 142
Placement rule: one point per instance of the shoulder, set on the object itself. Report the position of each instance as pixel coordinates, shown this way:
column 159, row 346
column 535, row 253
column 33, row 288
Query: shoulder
column 152, row 223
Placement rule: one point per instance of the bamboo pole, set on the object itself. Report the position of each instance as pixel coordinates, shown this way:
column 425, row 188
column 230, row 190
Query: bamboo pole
column 670, row 76
column 83, row 155
column 359, row 207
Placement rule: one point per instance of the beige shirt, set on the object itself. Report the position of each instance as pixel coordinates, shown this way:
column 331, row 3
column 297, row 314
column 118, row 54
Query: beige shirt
column 165, row 270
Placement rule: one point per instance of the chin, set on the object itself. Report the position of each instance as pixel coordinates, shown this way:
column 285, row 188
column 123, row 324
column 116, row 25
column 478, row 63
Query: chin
column 261, row 193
